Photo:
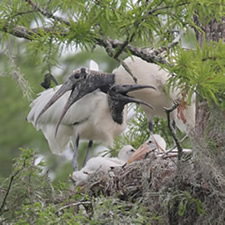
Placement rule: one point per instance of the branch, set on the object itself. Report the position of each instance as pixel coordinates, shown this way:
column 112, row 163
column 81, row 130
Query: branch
column 172, row 44
column 29, row 34
column 9, row 187
column 109, row 49
column 126, row 67
column 147, row 54
column 74, row 204
column 46, row 13
column 171, row 149
column 179, row 147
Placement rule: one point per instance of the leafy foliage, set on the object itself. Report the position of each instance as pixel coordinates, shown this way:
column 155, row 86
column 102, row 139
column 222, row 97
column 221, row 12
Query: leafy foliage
column 28, row 197
column 85, row 24
column 202, row 71
column 50, row 27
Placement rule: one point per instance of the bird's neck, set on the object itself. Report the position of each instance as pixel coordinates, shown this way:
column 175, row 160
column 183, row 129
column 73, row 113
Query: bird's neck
column 116, row 109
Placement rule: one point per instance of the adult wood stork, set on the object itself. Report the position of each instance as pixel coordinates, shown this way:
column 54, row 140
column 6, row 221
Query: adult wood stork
column 149, row 73
column 95, row 116
column 102, row 163
column 146, row 74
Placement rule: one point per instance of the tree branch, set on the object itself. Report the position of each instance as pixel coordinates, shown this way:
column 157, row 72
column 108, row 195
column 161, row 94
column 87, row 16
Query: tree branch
column 147, row 54
column 179, row 147
column 9, row 187
column 74, row 204
column 46, row 13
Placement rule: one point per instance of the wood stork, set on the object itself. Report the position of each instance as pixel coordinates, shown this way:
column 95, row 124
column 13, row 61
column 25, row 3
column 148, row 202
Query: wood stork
column 149, row 73
column 146, row 74
column 96, row 116
column 102, row 163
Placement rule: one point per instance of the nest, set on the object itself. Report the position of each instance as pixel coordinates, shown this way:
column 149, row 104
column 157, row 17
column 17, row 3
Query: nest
column 184, row 192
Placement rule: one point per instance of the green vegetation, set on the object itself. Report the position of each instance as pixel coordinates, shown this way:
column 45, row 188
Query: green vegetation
column 36, row 36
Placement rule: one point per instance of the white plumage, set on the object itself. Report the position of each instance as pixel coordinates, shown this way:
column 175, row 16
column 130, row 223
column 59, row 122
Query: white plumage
column 102, row 163
column 151, row 74
column 157, row 141
column 89, row 117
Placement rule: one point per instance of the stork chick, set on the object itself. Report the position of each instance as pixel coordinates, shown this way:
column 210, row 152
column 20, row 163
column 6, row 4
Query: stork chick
column 102, row 163
column 154, row 143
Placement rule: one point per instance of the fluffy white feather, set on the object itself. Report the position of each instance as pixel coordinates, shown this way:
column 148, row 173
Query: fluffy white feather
column 151, row 74
column 91, row 114
column 102, row 163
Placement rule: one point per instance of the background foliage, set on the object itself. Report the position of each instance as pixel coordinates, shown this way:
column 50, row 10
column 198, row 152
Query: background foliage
column 39, row 37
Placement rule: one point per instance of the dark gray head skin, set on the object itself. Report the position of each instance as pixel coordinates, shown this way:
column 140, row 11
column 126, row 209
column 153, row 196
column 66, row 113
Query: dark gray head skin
column 118, row 98
column 81, row 82
column 84, row 81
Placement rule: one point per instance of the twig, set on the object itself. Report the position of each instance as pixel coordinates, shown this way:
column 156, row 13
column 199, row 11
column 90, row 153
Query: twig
column 109, row 49
column 147, row 54
column 9, row 187
column 47, row 13
column 179, row 147
column 170, row 150
column 74, row 204
column 176, row 40
column 121, row 49
column 172, row 44
column 126, row 67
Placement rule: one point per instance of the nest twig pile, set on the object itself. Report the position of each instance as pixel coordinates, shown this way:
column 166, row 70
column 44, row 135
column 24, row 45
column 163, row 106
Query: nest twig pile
column 191, row 194
column 132, row 180
column 186, row 191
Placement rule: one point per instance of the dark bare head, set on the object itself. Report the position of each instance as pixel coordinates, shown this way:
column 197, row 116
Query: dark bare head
column 80, row 83
column 118, row 98
column 84, row 81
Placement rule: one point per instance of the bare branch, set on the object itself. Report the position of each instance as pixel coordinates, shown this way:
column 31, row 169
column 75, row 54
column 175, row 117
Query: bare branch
column 148, row 54
column 9, row 187
column 74, row 204
column 126, row 67
column 179, row 147
column 171, row 149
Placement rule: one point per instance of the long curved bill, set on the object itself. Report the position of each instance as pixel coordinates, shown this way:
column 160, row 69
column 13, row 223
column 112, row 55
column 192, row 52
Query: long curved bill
column 121, row 90
column 119, row 93
column 149, row 146
column 81, row 82
column 140, row 153
column 62, row 90
column 68, row 104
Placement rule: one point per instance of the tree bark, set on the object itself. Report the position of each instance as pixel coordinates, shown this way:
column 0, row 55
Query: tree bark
column 213, row 31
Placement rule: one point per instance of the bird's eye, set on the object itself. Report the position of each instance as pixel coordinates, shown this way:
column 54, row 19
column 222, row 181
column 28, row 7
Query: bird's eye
column 132, row 150
column 150, row 142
